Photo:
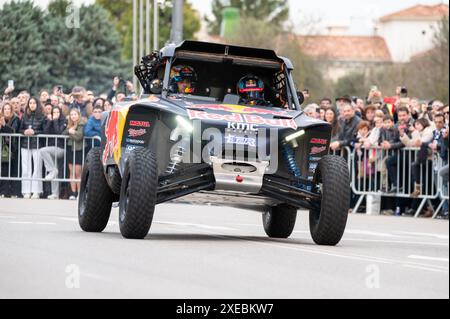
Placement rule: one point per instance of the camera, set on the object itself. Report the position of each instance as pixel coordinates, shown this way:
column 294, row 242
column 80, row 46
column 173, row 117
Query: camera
column 403, row 92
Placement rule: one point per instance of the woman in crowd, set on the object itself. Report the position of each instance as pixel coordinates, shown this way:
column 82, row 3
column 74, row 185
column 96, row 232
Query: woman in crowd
column 44, row 96
column 332, row 118
column 9, row 124
column 421, row 137
column 31, row 126
column 369, row 115
column 74, row 155
column 54, row 124
column 107, row 106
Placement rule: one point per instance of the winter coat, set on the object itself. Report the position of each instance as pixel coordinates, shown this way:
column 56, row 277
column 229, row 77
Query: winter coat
column 425, row 137
column 392, row 136
column 348, row 131
column 93, row 128
column 76, row 141
column 55, row 127
column 37, row 124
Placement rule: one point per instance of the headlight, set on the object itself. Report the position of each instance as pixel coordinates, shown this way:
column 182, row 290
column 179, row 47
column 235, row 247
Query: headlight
column 185, row 124
column 295, row 135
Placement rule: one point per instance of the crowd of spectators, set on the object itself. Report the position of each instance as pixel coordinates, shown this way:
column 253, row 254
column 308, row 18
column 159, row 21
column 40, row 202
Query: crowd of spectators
column 373, row 122
column 30, row 159
column 377, row 125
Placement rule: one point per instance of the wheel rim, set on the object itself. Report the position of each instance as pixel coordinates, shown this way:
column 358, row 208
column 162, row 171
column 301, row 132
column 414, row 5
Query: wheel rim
column 316, row 212
column 84, row 196
column 126, row 200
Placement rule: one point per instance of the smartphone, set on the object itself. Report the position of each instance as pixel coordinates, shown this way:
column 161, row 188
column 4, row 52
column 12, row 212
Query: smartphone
column 11, row 83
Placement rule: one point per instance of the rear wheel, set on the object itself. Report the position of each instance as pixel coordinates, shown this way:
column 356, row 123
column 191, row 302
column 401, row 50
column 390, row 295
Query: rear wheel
column 138, row 194
column 96, row 198
column 327, row 223
column 279, row 221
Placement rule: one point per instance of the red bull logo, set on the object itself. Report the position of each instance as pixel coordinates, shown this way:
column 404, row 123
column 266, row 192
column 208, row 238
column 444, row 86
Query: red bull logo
column 242, row 118
column 240, row 109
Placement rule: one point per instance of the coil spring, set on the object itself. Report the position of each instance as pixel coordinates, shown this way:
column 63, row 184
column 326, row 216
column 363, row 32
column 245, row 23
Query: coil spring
column 289, row 157
column 176, row 160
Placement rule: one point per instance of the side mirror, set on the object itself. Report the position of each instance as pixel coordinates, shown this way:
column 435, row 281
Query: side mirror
column 301, row 97
column 156, row 86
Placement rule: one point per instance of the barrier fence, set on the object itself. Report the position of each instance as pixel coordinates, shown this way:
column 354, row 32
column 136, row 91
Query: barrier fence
column 374, row 172
column 53, row 150
column 395, row 173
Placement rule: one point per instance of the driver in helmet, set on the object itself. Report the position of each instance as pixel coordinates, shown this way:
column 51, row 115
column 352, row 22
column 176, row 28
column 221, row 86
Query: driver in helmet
column 183, row 79
column 251, row 90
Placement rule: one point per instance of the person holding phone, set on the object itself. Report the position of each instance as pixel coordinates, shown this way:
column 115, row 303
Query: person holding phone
column 8, row 91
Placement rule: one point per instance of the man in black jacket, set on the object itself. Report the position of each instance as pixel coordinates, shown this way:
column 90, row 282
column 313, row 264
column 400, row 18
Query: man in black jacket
column 349, row 125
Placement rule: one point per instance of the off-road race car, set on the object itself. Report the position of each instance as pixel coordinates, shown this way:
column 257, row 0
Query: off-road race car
column 211, row 146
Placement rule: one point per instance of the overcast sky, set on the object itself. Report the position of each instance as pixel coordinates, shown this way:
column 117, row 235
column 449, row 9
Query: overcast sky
column 327, row 11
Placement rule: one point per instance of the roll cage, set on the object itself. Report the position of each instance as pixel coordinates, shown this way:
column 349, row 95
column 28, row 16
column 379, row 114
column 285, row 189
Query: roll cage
column 220, row 67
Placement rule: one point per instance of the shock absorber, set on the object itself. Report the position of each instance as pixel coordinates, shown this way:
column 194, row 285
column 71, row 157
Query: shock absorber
column 289, row 156
column 177, row 158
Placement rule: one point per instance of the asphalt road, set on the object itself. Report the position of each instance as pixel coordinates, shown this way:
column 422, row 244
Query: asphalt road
column 214, row 252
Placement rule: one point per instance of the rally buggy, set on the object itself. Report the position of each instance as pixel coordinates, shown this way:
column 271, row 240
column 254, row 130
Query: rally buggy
column 210, row 147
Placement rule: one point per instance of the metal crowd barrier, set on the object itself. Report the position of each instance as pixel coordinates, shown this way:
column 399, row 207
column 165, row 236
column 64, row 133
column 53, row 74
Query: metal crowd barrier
column 443, row 193
column 389, row 173
column 14, row 169
column 368, row 169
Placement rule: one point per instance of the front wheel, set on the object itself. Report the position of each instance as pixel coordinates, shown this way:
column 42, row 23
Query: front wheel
column 327, row 223
column 279, row 221
column 96, row 198
column 138, row 194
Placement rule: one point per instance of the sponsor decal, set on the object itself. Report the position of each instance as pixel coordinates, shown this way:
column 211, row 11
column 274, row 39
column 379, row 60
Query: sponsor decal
column 140, row 123
column 133, row 141
column 240, row 109
column 130, row 148
column 310, row 178
column 319, row 141
column 112, row 140
column 242, row 118
column 242, row 126
column 314, row 158
column 240, row 140
column 313, row 166
column 136, row 133
column 317, row 150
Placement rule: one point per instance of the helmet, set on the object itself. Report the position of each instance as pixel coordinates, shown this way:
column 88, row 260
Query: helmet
column 180, row 73
column 251, row 89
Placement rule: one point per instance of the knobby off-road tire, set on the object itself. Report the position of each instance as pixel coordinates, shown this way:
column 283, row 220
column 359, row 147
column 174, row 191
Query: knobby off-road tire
column 138, row 194
column 96, row 198
column 327, row 224
column 279, row 221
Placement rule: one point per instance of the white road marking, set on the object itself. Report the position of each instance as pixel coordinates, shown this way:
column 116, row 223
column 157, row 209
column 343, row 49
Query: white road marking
column 32, row 223
column 439, row 236
column 8, row 217
column 21, row 223
column 94, row 276
column 320, row 251
column 195, row 225
column 424, row 268
column 67, row 219
column 395, row 242
column 428, row 258
column 370, row 233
